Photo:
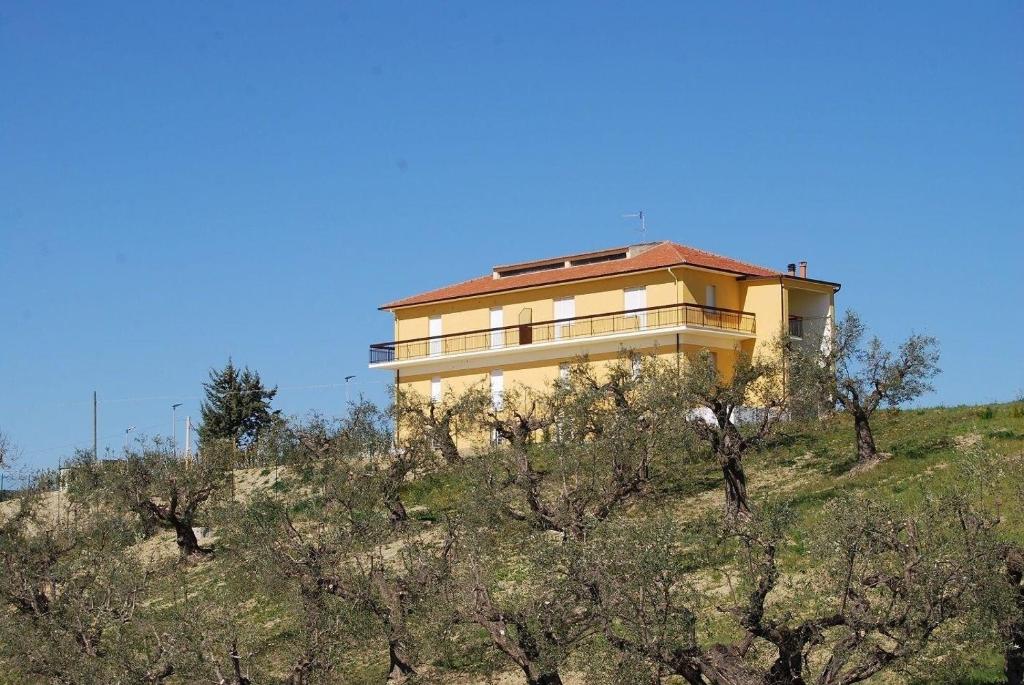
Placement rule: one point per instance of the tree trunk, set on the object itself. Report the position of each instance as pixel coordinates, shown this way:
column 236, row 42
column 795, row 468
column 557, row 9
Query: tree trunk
column 449, row 450
column 788, row 668
column 188, row 544
column 396, row 510
column 736, row 503
column 400, row 668
column 866, row 450
column 536, row 676
column 1015, row 660
column 722, row 665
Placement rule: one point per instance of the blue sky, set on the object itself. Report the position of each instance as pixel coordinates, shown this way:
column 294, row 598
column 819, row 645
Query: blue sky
column 180, row 183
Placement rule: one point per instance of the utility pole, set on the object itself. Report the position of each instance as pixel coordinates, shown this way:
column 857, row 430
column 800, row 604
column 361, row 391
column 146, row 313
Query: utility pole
column 95, row 446
column 347, row 398
column 188, row 436
column 174, row 450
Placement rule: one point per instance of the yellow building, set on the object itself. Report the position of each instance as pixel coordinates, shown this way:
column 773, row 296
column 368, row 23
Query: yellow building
column 521, row 324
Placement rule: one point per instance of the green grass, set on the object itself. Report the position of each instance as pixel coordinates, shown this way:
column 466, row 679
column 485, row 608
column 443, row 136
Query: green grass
column 806, row 467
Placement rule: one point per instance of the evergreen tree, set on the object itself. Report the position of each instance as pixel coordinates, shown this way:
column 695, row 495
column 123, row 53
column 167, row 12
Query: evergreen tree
column 237, row 406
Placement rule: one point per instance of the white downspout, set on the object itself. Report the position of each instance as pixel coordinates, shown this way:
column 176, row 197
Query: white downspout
column 677, row 283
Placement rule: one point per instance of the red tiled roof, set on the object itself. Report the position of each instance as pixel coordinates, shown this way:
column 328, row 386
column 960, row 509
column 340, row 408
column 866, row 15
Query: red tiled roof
column 657, row 256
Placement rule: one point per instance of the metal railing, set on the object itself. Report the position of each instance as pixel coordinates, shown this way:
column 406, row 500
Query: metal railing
column 595, row 325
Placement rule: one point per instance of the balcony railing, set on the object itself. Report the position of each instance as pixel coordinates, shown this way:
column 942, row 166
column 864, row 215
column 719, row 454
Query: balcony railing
column 596, row 325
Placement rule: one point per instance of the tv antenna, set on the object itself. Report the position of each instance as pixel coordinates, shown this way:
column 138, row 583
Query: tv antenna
column 643, row 221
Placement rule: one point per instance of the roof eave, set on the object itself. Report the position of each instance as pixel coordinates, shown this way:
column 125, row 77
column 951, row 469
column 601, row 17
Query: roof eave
column 740, row 275
column 795, row 279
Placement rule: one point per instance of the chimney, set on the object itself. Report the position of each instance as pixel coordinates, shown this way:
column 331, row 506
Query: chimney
column 803, row 269
column 791, row 269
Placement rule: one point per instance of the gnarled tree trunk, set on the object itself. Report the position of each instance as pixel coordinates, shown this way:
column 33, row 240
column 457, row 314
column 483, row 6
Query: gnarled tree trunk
column 866, row 450
column 446, row 444
column 537, row 676
column 399, row 668
column 736, row 501
column 188, row 543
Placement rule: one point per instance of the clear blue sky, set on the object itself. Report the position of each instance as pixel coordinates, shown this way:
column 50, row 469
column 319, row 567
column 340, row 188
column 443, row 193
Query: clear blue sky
column 179, row 184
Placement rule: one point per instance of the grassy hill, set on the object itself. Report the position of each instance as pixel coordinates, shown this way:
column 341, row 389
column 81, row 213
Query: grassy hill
column 806, row 467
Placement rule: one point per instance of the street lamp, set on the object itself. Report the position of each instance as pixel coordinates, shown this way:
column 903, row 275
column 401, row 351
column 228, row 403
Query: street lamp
column 127, row 430
column 174, row 446
column 347, row 379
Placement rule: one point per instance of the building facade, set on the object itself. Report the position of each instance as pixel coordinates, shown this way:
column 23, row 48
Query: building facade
column 523, row 323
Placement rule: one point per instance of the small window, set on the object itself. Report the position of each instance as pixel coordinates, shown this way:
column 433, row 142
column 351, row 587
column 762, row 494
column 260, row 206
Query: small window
column 435, row 389
column 563, row 372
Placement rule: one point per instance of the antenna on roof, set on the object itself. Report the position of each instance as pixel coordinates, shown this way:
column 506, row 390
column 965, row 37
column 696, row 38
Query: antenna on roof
column 643, row 222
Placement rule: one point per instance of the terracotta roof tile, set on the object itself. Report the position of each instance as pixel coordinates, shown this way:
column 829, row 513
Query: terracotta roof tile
column 659, row 255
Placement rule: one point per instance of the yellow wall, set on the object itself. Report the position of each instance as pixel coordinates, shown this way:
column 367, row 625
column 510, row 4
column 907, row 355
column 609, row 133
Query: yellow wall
column 766, row 298
column 538, row 376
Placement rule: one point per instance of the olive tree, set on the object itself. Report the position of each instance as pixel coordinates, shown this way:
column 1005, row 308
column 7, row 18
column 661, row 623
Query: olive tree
column 563, row 461
column 733, row 414
column 159, row 489
column 568, row 457
column 75, row 605
column 896, row 585
column 861, row 375
column 354, row 572
column 428, row 427
column 6, row 450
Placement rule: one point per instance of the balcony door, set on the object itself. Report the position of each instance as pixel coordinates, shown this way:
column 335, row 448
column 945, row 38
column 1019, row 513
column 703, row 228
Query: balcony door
column 497, row 324
column 565, row 308
column 636, row 298
column 434, row 331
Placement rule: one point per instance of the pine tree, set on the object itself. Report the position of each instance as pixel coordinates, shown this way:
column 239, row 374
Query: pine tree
column 237, row 406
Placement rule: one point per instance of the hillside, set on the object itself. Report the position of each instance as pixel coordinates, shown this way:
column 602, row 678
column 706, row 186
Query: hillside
column 805, row 468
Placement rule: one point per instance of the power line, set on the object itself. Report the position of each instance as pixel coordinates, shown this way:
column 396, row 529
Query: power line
column 102, row 437
column 164, row 398
column 154, row 398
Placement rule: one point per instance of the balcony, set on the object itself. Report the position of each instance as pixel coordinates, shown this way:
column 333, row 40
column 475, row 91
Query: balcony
column 633, row 323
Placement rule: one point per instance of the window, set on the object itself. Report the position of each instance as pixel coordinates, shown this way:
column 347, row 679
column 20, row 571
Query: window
column 497, row 323
column 710, row 296
column 435, row 389
column 565, row 308
column 497, row 388
column 636, row 298
column 563, row 372
column 434, row 331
